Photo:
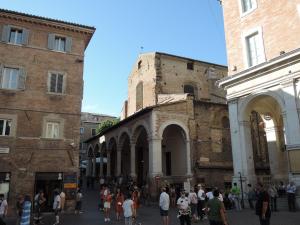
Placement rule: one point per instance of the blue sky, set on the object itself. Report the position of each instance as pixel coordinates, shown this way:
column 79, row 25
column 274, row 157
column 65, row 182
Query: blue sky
column 189, row 28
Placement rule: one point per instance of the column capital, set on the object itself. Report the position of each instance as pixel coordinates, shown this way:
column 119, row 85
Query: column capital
column 232, row 101
column 154, row 139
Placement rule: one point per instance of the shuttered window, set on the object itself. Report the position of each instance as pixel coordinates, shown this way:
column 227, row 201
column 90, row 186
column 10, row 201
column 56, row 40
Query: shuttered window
column 13, row 35
column 52, row 130
column 12, row 78
column 59, row 43
column 5, row 127
column 56, row 83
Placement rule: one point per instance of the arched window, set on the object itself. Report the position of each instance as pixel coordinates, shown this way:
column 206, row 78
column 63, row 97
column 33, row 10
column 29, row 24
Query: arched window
column 189, row 89
column 139, row 96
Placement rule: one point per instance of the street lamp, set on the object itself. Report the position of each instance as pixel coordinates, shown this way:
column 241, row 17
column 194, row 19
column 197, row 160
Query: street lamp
column 242, row 190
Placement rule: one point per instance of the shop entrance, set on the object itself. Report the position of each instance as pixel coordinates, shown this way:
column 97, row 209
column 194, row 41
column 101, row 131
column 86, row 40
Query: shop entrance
column 48, row 182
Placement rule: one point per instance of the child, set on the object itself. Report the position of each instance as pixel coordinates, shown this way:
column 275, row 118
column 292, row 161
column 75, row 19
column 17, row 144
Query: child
column 128, row 210
column 107, row 203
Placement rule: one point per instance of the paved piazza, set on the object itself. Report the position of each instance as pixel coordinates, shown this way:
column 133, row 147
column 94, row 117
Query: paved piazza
column 150, row 216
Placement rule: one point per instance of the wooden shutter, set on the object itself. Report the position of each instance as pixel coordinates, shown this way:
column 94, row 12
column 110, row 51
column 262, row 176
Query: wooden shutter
column 68, row 44
column 21, row 80
column 5, row 33
column 25, row 34
column 51, row 41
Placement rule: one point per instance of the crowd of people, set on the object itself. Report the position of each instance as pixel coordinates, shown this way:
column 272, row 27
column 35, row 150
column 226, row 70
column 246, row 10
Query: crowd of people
column 200, row 203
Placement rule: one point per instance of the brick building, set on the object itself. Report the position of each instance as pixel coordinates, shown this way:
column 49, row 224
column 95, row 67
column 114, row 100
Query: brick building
column 41, row 84
column 174, row 126
column 263, row 50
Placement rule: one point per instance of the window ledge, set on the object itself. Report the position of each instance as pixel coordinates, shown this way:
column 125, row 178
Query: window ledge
column 8, row 137
column 14, row 44
column 10, row 90
column 243, row 14
column 51, row 139
column 53, row 50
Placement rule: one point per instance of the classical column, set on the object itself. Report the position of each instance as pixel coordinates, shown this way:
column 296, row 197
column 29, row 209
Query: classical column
column 108, row 165
column 242, row 153
column 188, row 158
column 132, row 159
column 119, row 155
column 155, row 155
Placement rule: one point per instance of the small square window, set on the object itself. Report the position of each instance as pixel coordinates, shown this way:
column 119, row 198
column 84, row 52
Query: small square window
column 56, row 83
column 52, row 130
column 5, row 127
column 60, row 44
column 81, row 130
column 93, row 131
column 15, row 36
column 190, row 66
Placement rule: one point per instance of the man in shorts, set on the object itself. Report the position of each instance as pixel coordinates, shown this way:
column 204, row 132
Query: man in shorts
column 164, row 204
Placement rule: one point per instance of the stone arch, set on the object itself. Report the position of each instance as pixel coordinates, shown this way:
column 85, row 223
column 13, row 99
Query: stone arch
column 90, row 151
column 173, row 122
column 244, row 102
column 175, row 148
column 112, row 156
column 137, row 131
column 123, row 130
column 125, row 160
column 260, row 118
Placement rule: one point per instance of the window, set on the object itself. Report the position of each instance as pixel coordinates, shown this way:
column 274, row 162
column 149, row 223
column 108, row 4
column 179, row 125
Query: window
column 247, row 6
column 140, row 64
column 254, row 48
column 93, row 131
column 139, row 96
column 81, row 130
column 5, row 127
column 52, row 130
column 12, row 78
column 14, row 35
column 190, row 66
column 59, row 43
column 189, row 89
column 56, row 83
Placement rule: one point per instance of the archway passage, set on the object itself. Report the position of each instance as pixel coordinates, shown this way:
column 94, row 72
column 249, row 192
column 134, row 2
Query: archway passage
column 103, row 160
column 266, row 130
column 141, row 156
column 174, row 152
column 125, row 155
column 113, row 157
column 96, row 172
column 91, row 162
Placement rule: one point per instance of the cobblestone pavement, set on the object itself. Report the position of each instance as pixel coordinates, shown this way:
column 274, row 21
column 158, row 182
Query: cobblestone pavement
column 150, row 216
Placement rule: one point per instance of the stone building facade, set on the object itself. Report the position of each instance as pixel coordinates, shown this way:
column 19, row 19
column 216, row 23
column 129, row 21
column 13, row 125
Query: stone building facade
column 174, row 126
column 41, row 84
column 262, row 39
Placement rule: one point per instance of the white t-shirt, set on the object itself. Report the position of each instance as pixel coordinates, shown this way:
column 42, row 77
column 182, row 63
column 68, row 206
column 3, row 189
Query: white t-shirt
column 56, row 203
column 183, row 203
column 3, row 205
column 201, row 195
column 164, row 201
column 127, row 207
column 193, row 198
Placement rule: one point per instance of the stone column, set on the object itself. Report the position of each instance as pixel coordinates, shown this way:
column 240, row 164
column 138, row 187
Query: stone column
column 155, row 155
column 132, row 160
column 108, row 164
column 242, row 153
column 188, row 158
